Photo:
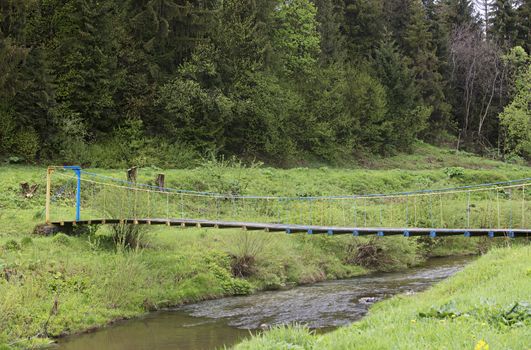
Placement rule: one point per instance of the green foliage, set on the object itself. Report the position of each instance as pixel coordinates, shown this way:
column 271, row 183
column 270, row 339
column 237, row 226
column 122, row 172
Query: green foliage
column 406, row 117
column 129, row 236
column 229, row 284
column 387, row 254
column 12, row 245
column 283, row 337
column 453, row 172
column 25, row 144
column 517, row 314
column 516, row 118
column 26, row 241
column 118, row 83
column 295, row 38
column 96, row 282
column 200, row 113
column 61, row 239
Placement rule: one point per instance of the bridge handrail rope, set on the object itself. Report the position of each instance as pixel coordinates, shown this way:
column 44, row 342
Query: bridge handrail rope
column 454, row 190
column 371, row 195
column 106, row 199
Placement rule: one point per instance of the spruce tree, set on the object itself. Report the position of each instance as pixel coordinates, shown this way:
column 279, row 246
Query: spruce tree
column 419, row 47
column 503, row 27
column 329, row 17
column 523, row 25
column 363, row 27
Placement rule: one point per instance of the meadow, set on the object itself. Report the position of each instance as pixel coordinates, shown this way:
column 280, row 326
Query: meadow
column 56, row 285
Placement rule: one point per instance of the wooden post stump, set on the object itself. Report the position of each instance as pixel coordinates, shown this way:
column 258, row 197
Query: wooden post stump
column 131, row 174
column 159, row 181
column 27, row 190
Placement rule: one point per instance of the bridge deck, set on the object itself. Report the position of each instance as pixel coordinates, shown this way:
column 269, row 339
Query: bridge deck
column 312, row 229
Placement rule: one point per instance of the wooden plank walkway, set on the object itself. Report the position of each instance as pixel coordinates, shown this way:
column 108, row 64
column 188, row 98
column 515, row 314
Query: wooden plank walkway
column 311, row 229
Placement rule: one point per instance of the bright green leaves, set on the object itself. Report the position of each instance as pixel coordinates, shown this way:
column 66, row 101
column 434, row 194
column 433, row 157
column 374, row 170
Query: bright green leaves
column 295, row 37
column 199, row 114
column 516, row 118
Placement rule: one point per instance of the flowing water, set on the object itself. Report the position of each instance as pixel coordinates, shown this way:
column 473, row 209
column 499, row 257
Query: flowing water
column 213, row 324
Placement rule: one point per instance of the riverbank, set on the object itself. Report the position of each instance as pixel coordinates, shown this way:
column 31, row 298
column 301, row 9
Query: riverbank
column 52, row 286
column 487, row 305
column 221, row 323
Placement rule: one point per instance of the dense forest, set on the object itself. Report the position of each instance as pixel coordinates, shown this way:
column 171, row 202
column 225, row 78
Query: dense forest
column 121, row 82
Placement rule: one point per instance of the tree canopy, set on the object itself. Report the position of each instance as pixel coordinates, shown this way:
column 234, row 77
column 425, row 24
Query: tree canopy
column 284, row 81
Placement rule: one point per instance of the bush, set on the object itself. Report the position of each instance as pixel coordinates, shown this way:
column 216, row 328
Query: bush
column 26, row 241
column 26, row 144
column 453, row 172
column 244, row 249
column 129, row 236
column 218, row 264
column 12, row 245
column 61, row 239
column 516, row 119
column 388, row 254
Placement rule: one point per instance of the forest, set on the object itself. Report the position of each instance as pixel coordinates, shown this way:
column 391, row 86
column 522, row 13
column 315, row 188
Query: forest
column 141, row 82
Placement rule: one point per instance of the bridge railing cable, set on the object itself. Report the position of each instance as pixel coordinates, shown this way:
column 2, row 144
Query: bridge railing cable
column 492, row 205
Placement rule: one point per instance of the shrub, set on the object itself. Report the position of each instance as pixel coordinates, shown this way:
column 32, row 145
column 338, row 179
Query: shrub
column 61, row 239
column 453, row 172
column 391, row 253
column 244, row 248
column 129, row 236
column 218, row 265
column 12, row 245
column 26, row 144
column 26, row 241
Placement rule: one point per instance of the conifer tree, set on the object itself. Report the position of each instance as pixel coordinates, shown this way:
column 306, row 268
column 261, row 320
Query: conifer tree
column 363, row 27
column 418, row 45
column 503, row 26
column 523, row 25
column 329, row 18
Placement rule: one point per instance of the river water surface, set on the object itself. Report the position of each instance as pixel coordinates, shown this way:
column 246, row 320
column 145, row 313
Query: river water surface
column 213, row 324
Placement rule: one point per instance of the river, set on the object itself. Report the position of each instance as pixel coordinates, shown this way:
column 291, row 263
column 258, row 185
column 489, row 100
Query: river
column 224, row 322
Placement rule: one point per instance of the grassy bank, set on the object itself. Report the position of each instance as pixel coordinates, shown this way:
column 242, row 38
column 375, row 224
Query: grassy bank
column 486, row 306
column 50, row 286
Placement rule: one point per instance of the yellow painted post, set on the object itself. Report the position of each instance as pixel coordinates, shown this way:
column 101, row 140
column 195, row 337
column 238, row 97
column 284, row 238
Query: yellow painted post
column 48, row 192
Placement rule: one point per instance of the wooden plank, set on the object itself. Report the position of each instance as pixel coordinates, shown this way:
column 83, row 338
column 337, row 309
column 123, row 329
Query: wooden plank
column 273, row 227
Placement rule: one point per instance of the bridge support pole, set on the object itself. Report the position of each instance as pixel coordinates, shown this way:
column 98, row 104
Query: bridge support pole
column 77, row 171
column 78, row 194
column 48, row 193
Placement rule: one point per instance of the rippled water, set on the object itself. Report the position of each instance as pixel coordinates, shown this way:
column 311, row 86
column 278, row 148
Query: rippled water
column 212, row 324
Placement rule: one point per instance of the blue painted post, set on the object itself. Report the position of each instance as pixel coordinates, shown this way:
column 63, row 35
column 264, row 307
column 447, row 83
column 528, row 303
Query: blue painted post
column 78, row 195
column 77, row 171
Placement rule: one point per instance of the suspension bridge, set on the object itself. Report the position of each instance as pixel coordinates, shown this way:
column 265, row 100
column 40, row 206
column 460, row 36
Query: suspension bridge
column 76, row 197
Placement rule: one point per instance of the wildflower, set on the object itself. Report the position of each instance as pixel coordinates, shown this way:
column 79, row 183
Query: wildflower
column 481, row 345
column 413, row 321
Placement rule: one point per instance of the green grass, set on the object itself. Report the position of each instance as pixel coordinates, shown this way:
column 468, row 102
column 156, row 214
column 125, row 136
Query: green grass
column 488, row 305
column 93, row 284
column 50, row 286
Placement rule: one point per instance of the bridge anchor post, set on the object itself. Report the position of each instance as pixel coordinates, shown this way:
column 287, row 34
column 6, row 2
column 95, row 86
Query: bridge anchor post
column 48, row 193
column 77, row 171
